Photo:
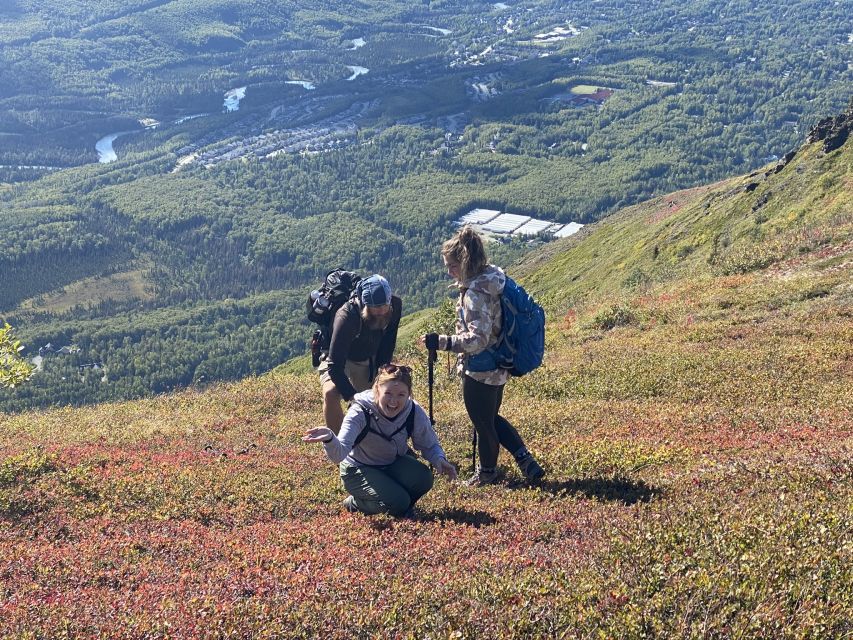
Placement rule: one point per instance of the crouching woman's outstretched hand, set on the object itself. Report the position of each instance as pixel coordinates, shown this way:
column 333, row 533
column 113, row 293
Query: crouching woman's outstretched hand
column 443, row 467
column 318, row 434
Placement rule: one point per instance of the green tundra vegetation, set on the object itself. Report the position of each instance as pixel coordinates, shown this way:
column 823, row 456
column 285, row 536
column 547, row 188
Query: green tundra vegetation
column 167, row 273
column 692, row 413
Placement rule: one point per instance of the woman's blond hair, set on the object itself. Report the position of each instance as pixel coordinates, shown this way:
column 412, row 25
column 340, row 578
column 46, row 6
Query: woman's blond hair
column 466, row 248
column 393, row 372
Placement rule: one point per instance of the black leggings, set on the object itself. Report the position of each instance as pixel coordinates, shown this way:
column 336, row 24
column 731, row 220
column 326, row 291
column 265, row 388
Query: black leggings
column 483, row 401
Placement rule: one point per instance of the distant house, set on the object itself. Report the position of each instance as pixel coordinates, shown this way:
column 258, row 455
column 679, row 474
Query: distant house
column 69, row 349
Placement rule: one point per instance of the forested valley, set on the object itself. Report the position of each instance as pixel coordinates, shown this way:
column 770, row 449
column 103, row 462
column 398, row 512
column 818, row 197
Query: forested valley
column 187, row 258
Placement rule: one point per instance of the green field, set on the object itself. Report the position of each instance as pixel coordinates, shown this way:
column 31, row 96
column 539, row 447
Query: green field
column 585, row 89
column 118, row 287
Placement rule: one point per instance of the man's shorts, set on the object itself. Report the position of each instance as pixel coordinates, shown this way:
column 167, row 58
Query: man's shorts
column 358, row 373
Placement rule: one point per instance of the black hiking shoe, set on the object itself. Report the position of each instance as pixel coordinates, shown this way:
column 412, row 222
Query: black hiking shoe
column 482, row 477
column 530, row 468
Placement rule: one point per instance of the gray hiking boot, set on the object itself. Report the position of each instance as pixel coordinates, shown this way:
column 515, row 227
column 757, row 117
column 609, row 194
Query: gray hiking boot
column 349, row 504
column 482, row 477
column 530, row 468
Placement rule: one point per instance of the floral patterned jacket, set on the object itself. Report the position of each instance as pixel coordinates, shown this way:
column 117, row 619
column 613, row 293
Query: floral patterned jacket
column 478, row 322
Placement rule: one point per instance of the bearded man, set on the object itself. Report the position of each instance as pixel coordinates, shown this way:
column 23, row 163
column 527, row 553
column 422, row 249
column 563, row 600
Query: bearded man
column 364, row 335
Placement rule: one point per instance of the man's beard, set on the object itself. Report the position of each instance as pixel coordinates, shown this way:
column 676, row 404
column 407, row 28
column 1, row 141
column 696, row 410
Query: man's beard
column 375, row 322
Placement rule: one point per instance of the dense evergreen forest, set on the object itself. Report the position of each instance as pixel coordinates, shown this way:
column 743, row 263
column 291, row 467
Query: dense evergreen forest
column 187, row 259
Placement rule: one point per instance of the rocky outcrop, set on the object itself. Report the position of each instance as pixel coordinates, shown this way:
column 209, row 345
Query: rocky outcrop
column 781, row 164
column 784, row 161
column 833, row 131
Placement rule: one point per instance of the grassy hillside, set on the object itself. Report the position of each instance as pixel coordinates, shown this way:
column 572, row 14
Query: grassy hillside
column 728, row 228
column 693, row 414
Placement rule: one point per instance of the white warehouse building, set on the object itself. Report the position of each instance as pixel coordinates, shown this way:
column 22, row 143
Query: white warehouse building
column 498, row 223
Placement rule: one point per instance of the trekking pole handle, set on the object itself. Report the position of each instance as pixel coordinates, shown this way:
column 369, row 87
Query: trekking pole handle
column 431, row 342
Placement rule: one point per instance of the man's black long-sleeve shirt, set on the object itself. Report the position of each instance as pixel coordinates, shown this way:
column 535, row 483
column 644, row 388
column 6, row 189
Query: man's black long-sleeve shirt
column 352, row 341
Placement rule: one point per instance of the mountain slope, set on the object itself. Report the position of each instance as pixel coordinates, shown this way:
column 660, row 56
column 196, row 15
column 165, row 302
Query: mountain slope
column 801, row 204
column 694, row 421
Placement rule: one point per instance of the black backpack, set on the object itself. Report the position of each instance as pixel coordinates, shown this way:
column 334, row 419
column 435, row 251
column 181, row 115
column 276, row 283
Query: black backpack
column 323, row 303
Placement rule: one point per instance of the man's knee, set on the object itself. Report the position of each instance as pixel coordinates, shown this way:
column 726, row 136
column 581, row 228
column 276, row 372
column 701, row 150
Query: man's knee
column 331, row 393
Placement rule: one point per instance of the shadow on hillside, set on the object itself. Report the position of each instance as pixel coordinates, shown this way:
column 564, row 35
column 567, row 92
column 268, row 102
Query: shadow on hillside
column 474, row 519
column 622, row 490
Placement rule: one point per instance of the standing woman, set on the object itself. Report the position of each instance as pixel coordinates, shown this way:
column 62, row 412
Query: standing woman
column 373, row 446
column 478, row 327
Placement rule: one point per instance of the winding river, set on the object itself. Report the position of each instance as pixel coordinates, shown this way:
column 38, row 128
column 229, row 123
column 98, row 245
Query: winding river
column 444, row 32
column 309, row 86
column 104, row 147
column 356, row 71
column 232, row 99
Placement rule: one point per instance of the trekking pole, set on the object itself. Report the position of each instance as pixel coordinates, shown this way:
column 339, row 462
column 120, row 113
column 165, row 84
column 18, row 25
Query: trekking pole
column 432, row 358
column 474, row 450
column 432, row 348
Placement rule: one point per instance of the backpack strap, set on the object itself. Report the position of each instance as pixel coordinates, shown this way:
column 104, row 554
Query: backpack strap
column 410, row 421
column 485, row 360
column 326, row 330
column 353, row 305
column 408, row 425
column 364, row 431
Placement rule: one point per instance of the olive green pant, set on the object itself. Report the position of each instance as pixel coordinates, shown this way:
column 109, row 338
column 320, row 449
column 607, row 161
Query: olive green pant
column 388, row 489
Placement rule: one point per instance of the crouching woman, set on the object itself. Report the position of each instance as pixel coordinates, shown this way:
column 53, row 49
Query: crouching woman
column 373, row 444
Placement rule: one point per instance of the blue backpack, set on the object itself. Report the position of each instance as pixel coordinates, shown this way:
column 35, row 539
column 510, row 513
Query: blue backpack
column 521, row 343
